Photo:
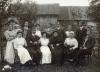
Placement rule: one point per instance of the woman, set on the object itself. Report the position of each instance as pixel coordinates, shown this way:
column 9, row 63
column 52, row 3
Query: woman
column 9, row 53
column 25, row 29
column 19, row 45
column 71, row 45
column 38, row 32
column 46, row 53
column 57, row 48
column 69, row 30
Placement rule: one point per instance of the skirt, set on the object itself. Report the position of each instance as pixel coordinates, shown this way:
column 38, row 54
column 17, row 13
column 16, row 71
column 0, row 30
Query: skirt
column 46, row 55
column 57, row 55
column 23, row 55
column 9, row 53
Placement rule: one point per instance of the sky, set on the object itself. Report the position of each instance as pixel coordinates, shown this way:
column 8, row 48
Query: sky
column 62, row 2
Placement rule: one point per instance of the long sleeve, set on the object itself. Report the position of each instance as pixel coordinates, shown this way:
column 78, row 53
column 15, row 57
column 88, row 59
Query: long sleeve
column 14, row 43
column 75, row 44
column 25, row 43
column 6, row 35
column 90, row 43
column 65, row 42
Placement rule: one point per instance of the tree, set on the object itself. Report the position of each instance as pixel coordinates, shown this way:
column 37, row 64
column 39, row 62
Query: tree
column 3, row 13
column 4, row 4
column 26, row 11
column 94, row 13
column 94, row 10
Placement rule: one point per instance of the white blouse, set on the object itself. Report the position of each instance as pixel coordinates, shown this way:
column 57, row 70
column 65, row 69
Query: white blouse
column 44, row 41
column 19, row 42
column 71, row 42
column 68, row 33
column 38, row 33
column 9, row 34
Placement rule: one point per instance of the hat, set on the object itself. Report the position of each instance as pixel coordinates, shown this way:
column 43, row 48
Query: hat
column 37, row 25
column 12, row 20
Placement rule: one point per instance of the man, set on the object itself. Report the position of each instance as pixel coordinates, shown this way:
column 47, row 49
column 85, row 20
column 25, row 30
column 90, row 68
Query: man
column 61, row 33
column 88, row 44
column 87, row 47
column 49, row 30
column 81, row 34
column 33, row 46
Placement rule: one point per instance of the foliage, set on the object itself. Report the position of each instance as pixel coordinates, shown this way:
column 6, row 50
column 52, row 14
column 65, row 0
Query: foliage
column 26, row 11
column 3, row 6
column 94, row 10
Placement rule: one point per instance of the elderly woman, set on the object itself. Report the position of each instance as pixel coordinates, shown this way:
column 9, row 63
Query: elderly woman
column 57, row 48
column 20, row 46
column 45, row 50
column 71, row 45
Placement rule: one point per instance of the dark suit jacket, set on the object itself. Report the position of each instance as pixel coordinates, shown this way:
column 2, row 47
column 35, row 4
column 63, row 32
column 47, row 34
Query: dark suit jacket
column 90, row 43
column 80, row 36
column 61, row 35
column 31, row 39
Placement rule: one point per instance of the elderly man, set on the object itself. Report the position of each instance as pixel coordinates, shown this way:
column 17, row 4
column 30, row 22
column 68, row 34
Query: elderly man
column 33, row 46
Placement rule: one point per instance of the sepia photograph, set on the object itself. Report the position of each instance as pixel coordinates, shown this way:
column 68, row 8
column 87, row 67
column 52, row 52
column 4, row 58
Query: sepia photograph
column 49, row 35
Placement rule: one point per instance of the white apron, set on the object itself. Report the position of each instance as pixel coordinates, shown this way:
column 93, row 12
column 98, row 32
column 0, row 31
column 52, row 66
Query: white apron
column 46, row 53
column 9, row 52
column 23, row 53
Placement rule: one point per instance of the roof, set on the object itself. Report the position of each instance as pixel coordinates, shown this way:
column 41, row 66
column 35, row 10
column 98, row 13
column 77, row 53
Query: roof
column 43, row 9
column 64, row 12
column 73, row 13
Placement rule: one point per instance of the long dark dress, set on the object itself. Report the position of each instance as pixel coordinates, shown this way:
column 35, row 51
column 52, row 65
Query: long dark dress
column 33, row 47
column 57, row 51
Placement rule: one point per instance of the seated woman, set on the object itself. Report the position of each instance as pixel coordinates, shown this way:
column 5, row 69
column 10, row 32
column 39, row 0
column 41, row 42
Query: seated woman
column 57, row 48
column 71, row 45
column 45, row 50
column 19, row 45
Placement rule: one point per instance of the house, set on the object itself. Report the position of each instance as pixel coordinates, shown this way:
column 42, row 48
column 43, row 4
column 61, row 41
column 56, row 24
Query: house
column 47, row 14
column 65, row 15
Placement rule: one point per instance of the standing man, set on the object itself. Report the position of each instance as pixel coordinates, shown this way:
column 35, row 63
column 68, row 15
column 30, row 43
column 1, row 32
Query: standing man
column 61, row 32
column 61, row 37
column 81, row 34
column 49, row 30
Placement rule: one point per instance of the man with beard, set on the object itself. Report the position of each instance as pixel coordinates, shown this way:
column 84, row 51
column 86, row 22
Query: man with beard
column 61, row 33
column 33, row 46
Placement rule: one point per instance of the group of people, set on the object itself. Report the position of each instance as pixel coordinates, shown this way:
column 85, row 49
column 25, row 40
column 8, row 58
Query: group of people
column 37, row 47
